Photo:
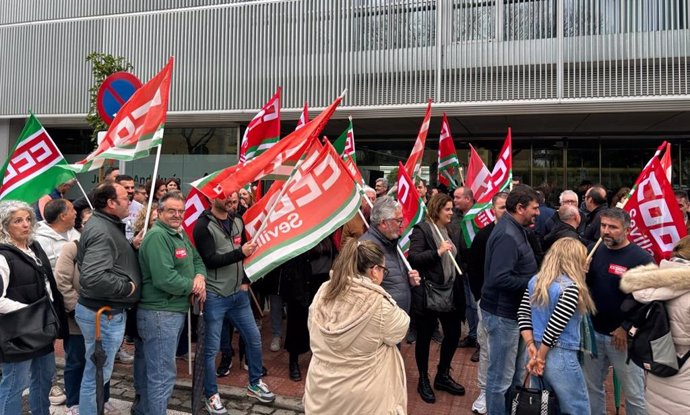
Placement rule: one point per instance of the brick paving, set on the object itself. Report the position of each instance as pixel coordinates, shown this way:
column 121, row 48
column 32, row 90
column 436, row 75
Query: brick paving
column 289, row 393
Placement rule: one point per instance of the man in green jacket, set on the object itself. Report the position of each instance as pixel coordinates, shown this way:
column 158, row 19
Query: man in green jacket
column 171, row 270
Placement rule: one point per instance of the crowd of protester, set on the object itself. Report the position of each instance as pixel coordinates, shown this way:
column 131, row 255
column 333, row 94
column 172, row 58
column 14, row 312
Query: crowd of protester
column 527, row 286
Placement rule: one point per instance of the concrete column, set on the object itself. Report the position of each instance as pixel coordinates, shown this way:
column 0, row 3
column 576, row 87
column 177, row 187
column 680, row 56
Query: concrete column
column 5, row 138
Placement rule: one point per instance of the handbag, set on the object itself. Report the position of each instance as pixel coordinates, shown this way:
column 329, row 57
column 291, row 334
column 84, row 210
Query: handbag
column 27, row 330
column 533, row 401
column 439, row 297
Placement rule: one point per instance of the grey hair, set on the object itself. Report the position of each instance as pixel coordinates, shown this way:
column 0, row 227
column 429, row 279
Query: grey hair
column 174, row 195
column 567, row 213
column 567, row 193
column 384, row 209
column 368, row 189
column 9, row 208
column 617, row 214
column 384, row 181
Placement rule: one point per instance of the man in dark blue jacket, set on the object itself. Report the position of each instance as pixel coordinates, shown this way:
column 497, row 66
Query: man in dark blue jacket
column 509, row 265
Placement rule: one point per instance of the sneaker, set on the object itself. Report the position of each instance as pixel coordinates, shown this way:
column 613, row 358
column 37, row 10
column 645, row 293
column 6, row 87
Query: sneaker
column 479, row 405
column 214, row 405
column 224, row 366
column 123, row 357
column 260, row 391
column 72, row 410
column 57, row 396
column 110, row 409
column 275, row 344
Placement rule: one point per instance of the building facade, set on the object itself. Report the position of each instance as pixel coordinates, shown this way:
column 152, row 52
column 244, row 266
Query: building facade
column 589, row 87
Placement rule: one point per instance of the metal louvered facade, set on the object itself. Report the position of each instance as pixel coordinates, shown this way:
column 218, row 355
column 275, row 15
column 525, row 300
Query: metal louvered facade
column 486, row 56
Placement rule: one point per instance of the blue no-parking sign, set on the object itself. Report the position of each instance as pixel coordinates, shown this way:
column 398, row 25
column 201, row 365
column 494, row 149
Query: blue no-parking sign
column 114, row 92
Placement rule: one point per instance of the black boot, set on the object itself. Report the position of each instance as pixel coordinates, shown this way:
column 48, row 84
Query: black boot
column 444, row 382
column 295, row 373
column 424, row 389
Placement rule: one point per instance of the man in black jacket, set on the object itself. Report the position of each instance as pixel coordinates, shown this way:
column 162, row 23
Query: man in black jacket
column 595, row 203
column 566, row 227
column 475, row 271
column 509, row 265
column 110, row 276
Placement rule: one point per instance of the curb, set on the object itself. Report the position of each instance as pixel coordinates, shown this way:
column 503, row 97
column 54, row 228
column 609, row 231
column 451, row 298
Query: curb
column 232, row 393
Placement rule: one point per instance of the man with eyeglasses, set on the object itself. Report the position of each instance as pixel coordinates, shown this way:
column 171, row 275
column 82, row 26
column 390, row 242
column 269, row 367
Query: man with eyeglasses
column 110, row 276
column 384, row 230
column 141, row 195
column 595, row 203
column 171, row 270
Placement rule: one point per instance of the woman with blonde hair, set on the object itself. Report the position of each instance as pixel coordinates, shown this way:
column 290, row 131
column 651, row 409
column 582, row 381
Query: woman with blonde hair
column 549, row 318
column 668, row 282
column 354, row 327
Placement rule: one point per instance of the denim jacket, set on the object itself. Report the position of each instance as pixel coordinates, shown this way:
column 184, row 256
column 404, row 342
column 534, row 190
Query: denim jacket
column 570, row 337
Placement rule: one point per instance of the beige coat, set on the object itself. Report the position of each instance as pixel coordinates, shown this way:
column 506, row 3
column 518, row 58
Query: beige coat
column 670, row 282
column 356, row 367
column 67, row 280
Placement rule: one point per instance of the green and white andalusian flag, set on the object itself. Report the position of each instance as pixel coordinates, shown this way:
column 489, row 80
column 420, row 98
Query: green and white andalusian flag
column 31, row 172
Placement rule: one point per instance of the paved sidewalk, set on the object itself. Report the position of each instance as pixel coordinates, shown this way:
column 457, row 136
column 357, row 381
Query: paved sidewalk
column 234, row 398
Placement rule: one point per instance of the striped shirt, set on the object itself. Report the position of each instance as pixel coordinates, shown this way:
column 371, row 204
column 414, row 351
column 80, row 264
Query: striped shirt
column 565, row 308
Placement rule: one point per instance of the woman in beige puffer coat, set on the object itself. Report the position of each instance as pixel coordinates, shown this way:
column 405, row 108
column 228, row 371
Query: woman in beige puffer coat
column 354, row 326
column 669, row 282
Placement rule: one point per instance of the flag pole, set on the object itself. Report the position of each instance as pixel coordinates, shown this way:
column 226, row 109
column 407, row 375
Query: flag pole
column 153, row 191
column 84, row 193
column 455, row 263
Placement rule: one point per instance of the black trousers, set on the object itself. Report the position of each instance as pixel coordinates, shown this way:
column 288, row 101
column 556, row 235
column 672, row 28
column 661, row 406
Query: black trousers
column 426, row 324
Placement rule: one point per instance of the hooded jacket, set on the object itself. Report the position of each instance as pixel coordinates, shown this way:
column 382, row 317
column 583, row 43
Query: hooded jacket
column 52, row 242
column 669, row 282
column 356, row 367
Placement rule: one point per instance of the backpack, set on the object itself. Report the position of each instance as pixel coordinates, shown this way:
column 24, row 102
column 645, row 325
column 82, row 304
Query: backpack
column 650, row 343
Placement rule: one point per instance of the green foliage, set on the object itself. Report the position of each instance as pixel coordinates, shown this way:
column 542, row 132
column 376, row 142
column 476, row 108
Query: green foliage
column 392, row 177
column 102, row 66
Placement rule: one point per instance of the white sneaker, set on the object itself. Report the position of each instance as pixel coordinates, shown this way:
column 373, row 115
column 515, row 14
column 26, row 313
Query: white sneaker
column 123, row 357
column 214, row 405
column 110, row 409
column 479, row 405
column 275, row 344
column 72, row 410
column 57, row 395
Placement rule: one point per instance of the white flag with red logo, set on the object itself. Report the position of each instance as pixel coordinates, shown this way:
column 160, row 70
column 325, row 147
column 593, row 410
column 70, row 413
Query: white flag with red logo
column 137, row 127
column 195, row 204
column 263, row 130
column 32, row 169
column 413, row 165
column 413, row 208
column 318, row 199
column 303, row 118
column 657, row 222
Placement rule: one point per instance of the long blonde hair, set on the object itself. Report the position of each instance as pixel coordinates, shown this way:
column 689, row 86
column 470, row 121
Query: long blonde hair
column 354, row 259
column 567, row 256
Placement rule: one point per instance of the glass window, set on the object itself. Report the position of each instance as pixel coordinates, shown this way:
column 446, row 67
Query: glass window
column 474, row 20
column 534, row 19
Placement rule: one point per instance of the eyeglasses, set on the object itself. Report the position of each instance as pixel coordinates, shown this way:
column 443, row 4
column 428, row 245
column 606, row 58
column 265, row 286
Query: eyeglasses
column 399, row 221
column 174, row 211
column 384, row 269
column 569, row 202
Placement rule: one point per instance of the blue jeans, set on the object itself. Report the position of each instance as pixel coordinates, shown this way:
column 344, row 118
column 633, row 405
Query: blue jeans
column 470, row 309
column 74, row 369
column 112, row 333
column 237, row 308
column 506, row 362
column 37, row 374
column 482, row 340
column 160, row 332
column 563, row 375
column 630, row 375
